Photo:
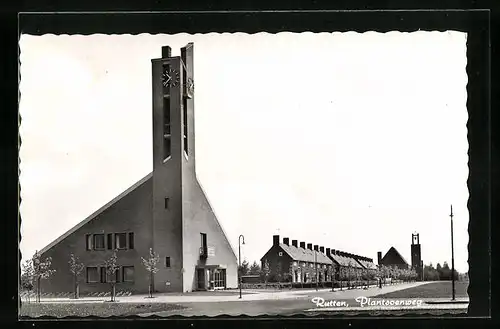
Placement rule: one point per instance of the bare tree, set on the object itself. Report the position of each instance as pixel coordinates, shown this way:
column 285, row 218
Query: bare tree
column 41, row 270
column 265, row 271
column 111, row 266
column 150, row 265
column 76, row 268
column 27, row 278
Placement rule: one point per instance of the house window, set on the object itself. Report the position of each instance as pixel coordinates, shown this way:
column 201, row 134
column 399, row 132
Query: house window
column 166, row 202
column 203, row 240
column 280, row 253
column 128, row 273
column 102, row 277
column 294, row 263
column 312, row 265
column 88, row 241
column 121, row 241
column 167, row 261
column 117, row 275
column 131, row 240
column 92, row 275
column 109, row 241
column 303, row 264
column 98, row 241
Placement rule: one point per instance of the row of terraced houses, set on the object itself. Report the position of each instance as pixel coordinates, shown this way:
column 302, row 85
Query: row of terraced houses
column 301, row 262
column 305, row 262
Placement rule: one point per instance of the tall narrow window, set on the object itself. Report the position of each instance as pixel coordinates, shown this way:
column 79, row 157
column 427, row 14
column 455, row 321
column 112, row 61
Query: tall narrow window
column 203, row 240
column 118, row 275
column 185, row 122
column 167, row 76
column 167, row 261
column 131, row 240
column 121, row 241
column 102, row 275
column 109, row 241
column 88, row 241
column 98, row 241
column 166, row 202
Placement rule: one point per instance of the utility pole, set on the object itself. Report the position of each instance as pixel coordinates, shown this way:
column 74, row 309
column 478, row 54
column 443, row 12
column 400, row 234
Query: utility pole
column 452, row 258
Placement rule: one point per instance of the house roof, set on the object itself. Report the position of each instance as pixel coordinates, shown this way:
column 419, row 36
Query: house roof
column 346, row 261
column 97, row 212
column 394, row 250
column 367, row 264
column 305, row 255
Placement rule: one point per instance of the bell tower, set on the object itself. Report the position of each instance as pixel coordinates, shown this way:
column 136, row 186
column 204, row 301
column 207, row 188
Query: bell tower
column 169, row 154
column 416, row 257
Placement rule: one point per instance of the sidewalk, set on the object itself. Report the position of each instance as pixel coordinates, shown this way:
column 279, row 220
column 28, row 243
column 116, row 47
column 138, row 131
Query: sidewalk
column 249, row 295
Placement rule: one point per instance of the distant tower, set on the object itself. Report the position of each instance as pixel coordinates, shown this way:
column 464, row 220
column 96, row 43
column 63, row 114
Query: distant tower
column 416, row 257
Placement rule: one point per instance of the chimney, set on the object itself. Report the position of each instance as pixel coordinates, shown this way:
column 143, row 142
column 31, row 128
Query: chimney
column 316, row 247
column 294, row 243
column 286, row 241
column 333, row 252
column 379, row 257
column 303, row 245
column 310, row 246
column 328, row 251
column 322, row 249
column 276, row 240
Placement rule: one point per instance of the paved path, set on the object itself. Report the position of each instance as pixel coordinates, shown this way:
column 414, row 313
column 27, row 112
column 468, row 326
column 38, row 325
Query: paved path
column 284, row 303
column 248, row 296
column 281, row 302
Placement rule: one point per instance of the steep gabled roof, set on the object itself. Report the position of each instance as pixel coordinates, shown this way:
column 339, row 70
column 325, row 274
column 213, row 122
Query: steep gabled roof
column 97, row 212
column 367, row 264
column 394, row 250
column 304, row 255
column 346, row 261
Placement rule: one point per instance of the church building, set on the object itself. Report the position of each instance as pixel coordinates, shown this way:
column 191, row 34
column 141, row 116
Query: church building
column 167, row 210
column 394, row 259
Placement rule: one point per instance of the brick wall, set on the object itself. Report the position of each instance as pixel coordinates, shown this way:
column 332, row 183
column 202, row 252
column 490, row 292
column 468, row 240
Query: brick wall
column 130, row 214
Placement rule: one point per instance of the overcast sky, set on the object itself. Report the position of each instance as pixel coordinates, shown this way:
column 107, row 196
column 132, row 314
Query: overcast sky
column 350, row 141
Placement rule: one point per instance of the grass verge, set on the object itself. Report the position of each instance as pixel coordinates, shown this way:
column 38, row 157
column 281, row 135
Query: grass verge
column 438, row 289
column 100, row 309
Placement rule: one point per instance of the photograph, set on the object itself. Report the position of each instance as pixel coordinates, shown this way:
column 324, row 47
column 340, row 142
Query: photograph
column 243, row 174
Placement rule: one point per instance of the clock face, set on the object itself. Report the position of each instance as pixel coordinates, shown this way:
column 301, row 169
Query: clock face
column 170, row 78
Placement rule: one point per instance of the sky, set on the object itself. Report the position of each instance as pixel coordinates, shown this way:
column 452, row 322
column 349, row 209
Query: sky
column 346, row 140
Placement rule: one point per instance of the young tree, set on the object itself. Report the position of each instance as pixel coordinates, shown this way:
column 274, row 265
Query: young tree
column 266, row 270
column 150, row 265
column 244, row 268
column 111, row 265
column 76, row 268
column 27, row 277
column 41, row 270
column 279, row 273
column 254, row 269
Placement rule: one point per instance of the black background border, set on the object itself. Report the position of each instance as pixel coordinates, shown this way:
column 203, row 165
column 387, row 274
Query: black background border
column 301, row 19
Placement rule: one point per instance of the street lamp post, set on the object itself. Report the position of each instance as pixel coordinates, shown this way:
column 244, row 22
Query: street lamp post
column 452, row 258
column 241, row 240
